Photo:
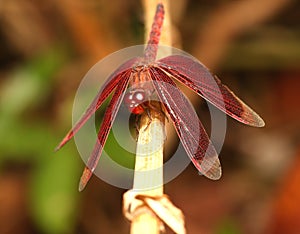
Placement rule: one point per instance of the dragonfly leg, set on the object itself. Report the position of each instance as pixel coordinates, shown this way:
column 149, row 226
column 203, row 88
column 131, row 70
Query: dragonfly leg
column 148, row 108
column 136, row 124
column 159, row 109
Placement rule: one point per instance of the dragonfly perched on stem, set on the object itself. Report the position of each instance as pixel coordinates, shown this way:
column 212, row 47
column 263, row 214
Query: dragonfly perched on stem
column 149, row 77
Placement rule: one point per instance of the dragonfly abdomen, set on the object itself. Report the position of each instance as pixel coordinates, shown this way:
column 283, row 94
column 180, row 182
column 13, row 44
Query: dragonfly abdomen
column 152, row 45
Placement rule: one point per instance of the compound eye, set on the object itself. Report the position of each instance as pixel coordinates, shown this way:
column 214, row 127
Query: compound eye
column 134, row 99
column 138, row 97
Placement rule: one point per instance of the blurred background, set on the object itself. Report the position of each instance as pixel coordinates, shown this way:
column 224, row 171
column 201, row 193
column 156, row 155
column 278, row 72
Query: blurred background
column 46, row 47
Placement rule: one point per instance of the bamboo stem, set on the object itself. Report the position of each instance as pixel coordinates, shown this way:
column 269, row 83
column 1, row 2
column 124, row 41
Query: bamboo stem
column 148, row 176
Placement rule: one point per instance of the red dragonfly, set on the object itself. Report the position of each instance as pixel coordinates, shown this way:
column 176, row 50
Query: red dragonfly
column 138, row 73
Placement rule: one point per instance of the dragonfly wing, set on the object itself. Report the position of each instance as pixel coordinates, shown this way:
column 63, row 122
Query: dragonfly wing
column 108, row 119
column 196, row 76
column 187, row 124
column 103, row 93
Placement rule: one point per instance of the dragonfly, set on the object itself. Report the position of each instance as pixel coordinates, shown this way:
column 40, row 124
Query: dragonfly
column 147, row 76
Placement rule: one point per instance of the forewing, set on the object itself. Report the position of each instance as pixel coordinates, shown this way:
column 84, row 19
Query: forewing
column 187, row 124
column 103, row 93
column 108, row 119
column 197, row 77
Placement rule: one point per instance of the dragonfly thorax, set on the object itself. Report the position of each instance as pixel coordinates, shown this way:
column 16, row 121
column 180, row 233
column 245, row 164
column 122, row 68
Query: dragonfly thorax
column 141, row 90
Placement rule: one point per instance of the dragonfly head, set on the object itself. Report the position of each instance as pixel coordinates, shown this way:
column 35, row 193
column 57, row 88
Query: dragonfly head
column 134, row 100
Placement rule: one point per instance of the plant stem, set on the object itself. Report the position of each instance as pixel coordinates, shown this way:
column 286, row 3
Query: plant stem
column 148, row 176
